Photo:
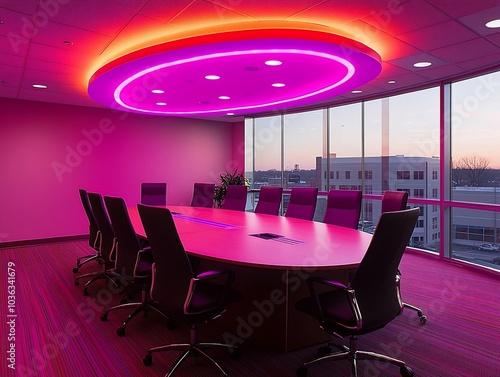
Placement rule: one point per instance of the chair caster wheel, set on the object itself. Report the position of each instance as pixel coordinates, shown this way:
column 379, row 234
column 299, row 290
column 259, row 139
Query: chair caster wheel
column 148, row 360
column 75, row 270
column 235, row 353
column 423, row 319
column 85, row 292
column 406, row 371
column 302, row 372
column 120, row 331
column 77, row 283
column 104, row 317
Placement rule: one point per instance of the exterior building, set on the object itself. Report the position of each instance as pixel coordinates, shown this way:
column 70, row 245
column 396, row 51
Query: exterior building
column 419, row 176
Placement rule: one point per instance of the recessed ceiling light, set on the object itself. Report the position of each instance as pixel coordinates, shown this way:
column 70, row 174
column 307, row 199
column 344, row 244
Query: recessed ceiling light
column 39, row 86
column 212, row 77
column 161, row 103
column 273, row 62
column 230, row 114
column 391, row 81
column 224, row 97
column 493, row 24
column 422, row 64
column 157, row 91
column 1, row 22
column 356, row 91
column 278, row 85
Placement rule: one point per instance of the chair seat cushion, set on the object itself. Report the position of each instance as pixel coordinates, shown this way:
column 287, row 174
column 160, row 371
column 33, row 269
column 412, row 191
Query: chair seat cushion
column 336, row 310
column 337, row 314
column 205, row 303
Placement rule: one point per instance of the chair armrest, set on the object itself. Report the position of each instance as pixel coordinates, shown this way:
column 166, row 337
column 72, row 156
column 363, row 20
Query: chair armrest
column 144, row 258
column 351, row 295
column 215, row 273
column 206, row 277
column 112, row 254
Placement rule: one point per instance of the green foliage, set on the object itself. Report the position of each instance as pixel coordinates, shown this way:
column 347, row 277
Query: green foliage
column 226, row 179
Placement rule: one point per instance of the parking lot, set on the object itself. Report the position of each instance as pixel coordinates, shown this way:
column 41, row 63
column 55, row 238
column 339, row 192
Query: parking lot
column 473, row 254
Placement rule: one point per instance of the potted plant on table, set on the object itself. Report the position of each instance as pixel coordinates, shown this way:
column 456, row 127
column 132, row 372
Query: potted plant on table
column 226, row 179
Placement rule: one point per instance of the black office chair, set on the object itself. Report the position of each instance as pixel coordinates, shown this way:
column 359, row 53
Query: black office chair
column 108, row 242
column 133, row 262
column 185, row 297
column 94, row 235
column 203, row 195
column 154, row 194
column 397, row 201
column 370, row 300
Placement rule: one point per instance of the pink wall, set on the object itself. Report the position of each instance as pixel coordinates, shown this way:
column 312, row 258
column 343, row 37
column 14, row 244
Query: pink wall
column 49, row 151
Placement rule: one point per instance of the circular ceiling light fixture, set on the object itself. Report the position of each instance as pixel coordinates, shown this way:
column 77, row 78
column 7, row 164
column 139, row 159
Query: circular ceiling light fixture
column 315, row 65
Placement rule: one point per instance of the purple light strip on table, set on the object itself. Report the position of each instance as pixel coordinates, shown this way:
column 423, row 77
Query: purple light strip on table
column 205, row 222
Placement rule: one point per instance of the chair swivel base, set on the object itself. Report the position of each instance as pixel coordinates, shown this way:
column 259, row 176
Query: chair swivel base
column 189, row 348
column 421, row 316
column 143, row 307
column 353, row 356
column 101, row 275
column 87, row 259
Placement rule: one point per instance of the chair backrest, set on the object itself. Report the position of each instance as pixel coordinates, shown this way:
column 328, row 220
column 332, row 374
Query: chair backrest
column 375, row 281
column 94, row 237
column 104, row 225
column 343, row 208
column 394, row 201
column 302, row 203
column 154, row 194
column 269, row 200
column 172, row 270
column 128, row 244
column 236, row 197
column 203, row 195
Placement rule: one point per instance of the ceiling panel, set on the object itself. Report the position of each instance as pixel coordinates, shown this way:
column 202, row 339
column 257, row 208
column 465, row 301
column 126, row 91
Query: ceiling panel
column 404, row 17
column 436, row 36
column 461, row 52
column 25, row 6
column 104, row 17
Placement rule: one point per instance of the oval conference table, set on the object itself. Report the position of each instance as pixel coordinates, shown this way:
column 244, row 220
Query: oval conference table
column 272, row 257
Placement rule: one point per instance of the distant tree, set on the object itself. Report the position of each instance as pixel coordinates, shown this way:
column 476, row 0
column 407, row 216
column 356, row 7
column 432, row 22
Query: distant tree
column 471, row 171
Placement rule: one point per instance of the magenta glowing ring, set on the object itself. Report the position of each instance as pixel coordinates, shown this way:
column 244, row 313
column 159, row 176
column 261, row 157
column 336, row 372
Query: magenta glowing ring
column 312, row 70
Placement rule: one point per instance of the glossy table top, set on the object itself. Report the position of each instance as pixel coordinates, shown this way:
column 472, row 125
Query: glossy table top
column 229, row 236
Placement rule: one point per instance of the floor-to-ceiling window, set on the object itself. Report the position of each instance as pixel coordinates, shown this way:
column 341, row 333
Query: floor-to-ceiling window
column 394, row 143
column 475, row 160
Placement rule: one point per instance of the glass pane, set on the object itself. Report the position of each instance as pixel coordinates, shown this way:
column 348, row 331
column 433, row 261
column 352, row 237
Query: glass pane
column 402, row 143
column 303, row 145
column 303, row 142
column 475, row 137
column 476, row 237
column 345, row 150
column 249, row 151
column 267, row 146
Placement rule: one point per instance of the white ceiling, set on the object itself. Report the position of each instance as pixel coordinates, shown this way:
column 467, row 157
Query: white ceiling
column 450, row 34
